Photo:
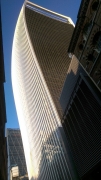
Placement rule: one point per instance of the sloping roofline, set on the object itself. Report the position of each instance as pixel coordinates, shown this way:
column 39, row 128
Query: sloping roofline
column 49, row 13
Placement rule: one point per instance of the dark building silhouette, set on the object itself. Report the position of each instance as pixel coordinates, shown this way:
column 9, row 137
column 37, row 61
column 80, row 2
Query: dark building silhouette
column 3, row 149
column 81, row 94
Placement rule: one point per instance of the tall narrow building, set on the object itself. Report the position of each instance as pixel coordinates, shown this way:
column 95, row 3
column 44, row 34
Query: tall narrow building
column 16, row 158
column 39, row 68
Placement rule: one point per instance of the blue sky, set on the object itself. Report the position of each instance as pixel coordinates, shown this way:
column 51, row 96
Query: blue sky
column 10, row 11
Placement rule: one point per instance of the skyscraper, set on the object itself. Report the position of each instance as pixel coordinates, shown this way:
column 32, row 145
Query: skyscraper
column 39, row 68
column 16, row 157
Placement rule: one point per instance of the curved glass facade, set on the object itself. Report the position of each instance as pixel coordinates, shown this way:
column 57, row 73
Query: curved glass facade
column 39, row 67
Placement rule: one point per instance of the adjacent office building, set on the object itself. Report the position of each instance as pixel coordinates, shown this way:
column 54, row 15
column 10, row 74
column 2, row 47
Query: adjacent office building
column 16, row 158
column 81, row 95
column 86, row 40
column 39, row 69
column 3, row 148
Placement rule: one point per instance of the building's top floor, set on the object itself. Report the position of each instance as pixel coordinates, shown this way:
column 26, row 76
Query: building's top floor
column 49, row 13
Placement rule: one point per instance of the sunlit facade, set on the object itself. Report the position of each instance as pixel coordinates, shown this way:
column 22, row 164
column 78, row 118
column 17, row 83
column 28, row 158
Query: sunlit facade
column 39, row 68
